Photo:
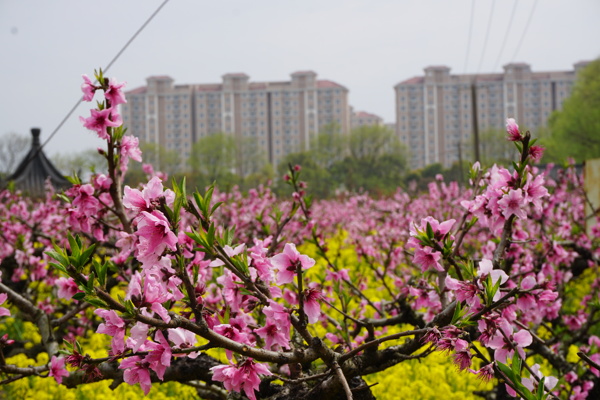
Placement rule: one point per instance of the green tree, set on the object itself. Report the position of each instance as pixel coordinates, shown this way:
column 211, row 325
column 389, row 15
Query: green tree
column 575, row 130
column 250, row 158
column 161, row 158
column 494, row 148
column 328, row 146
column 318, row 179
column 376, row 161
column 213, row 158
column 261, row 177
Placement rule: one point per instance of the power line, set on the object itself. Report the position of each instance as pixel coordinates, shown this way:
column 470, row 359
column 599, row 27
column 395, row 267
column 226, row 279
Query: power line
column 104, row 70
column 469, row 37
column 510, row 21
column 487, row 35
column 115, row 58
column 524, row 31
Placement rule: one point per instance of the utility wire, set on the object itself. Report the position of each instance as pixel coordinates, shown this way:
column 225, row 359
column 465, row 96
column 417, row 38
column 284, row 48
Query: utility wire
column 62, row 122
column 105, row 69
column 510, row 21
column 487, row 35
column 469, row 37
column 524, row 31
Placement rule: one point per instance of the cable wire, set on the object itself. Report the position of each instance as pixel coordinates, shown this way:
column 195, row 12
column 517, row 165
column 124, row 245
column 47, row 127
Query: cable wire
column 469, row 37
column 115, row 58
column 487, row 35
column 524, row 31
column 510, row 21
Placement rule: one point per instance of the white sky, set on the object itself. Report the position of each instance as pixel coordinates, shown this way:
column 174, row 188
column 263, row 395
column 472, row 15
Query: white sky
column 366, row 45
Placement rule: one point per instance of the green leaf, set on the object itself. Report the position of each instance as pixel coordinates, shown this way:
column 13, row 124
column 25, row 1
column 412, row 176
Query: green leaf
column 308, row 199
column 195, row 270
column 74, row 180
column 68, row 345
column 59, row 255
column 79, row 296
column 229, row 235
column 472, row 222
column 214, row 208
column 429, row 232
column 59, row 267
column 100, row 269
column 90, row 283
column 86, row 254
column 96, row 302
column 458, row 312
column 506, row 370
column 75, row 249
column 541, row 391
column 519, row 147
column 516, row 365
column 199, row 202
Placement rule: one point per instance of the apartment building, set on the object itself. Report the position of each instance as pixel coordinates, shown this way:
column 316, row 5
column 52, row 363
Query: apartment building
column 434, row 112
column 279, row 116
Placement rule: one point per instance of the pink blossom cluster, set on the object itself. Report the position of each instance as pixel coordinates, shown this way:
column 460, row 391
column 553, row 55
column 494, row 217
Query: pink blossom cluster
column 312, row 293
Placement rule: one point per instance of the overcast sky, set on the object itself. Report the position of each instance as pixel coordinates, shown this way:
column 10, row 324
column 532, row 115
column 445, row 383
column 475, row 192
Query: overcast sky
column 366, row 45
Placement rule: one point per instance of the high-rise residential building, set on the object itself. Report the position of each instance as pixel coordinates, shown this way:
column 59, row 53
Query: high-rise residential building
column 279, row 116
column 434, row 112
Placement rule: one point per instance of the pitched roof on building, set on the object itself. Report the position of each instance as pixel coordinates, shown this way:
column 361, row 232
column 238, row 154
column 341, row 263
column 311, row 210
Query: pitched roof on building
column 208, row 87
column 139, row 90
column 216, row 87
column 236, row 75
column 305, row 72
column 489, row 77
column 33, row 171
column 329, row 84
column 159, row 77
column 364, row 114
column 412, row 81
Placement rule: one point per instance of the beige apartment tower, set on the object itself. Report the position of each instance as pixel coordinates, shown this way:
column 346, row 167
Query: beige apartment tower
column 434, row 112
column 280, row 116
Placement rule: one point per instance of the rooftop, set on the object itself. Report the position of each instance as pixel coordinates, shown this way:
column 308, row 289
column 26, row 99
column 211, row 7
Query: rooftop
column 35, row 169
column 216, row 87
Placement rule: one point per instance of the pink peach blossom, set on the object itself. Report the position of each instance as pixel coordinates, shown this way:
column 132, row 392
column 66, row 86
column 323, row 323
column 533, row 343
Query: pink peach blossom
column 88, row 88
column 101, row 120
column 288, row 261
column 513, row 130
column 57, row 368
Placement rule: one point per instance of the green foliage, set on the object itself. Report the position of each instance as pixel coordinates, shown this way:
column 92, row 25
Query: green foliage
column 229, row 161
column 320, row 181
column 575, row 130
column 371, row 158
column 249, row 157
column 213, row 159
column 328, row 146
column 494, row 148
column 161, row 158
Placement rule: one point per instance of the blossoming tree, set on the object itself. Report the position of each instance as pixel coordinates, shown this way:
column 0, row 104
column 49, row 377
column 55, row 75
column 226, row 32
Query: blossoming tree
column 304, row 298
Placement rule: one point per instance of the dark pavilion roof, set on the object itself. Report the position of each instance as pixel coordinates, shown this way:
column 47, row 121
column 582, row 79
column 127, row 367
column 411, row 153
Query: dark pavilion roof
column 31, row 174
